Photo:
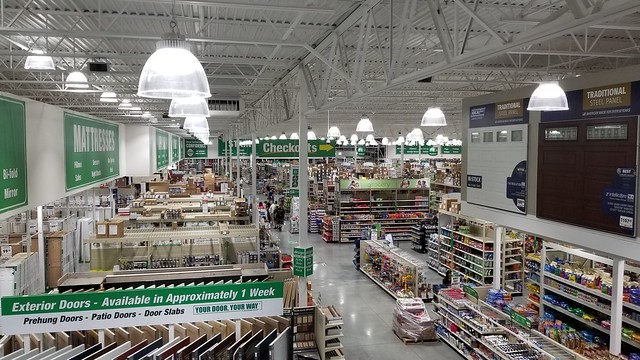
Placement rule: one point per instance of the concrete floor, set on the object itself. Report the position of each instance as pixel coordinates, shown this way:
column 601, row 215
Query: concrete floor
column 366, row 309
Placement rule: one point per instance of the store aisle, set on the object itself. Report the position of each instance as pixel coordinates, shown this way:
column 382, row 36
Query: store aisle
column 366, row 309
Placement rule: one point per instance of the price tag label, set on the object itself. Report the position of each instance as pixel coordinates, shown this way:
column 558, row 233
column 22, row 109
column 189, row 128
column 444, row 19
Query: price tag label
column 5, row 251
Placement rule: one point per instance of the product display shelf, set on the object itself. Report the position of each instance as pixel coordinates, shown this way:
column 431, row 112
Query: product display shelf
column 473, row 330
column 328, row 326
column 512, row 260
column 433, row 251
column 474, row 263
column 331, row 229
column 396, row 271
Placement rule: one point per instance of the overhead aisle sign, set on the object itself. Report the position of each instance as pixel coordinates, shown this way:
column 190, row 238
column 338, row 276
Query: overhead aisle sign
column 195, row 149
column 91, row 151
column 291, row 149
column 13, row 154
column 122, row 308
column 162, row 149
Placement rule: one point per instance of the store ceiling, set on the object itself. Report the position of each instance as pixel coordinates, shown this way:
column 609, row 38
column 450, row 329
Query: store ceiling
column 352, row 62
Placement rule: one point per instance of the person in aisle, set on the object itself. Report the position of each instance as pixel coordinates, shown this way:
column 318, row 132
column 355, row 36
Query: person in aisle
column 446, row 281
column 271, row 211
column 267, row 207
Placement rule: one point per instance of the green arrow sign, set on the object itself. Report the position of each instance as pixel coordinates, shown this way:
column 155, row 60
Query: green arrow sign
column 13, row 154
column 291, row 149
column 91, row 151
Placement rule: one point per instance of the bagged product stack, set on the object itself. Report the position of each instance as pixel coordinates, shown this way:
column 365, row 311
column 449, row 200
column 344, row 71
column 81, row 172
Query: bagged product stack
column 411, row 320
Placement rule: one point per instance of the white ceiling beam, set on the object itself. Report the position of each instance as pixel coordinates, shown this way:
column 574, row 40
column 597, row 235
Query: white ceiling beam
column 480, row 20
column 75, row 34
column 612, row 9
column 576, row 53
column 244, row 5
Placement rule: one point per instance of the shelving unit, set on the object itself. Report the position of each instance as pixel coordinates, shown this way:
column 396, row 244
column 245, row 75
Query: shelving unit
column 397, row 210
column 328, row 326
column 470, row 255
column 315, row 219
column 396, row 271
column 477, row 331
column 512, row 262
column 331, row 229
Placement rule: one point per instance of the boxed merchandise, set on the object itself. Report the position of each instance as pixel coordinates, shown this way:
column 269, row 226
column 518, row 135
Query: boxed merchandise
column 102, row 229
column 116, row 228
column 411, row 320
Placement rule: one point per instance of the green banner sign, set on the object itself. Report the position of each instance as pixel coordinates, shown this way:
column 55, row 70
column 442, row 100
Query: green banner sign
column 223, row 148
column 295, row 177
column 384, row 184
column 13, row 154
column 175, row 148
column 151, row 306
column 521, row 319
column 361, row 151
column 195, row 149
column 417, row 149
column 303, row 261
column 291, row 149
column 162, row 149
column 451, row 150
column 91, row 151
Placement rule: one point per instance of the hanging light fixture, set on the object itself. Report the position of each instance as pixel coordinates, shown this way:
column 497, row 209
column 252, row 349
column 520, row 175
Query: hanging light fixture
column 172, row 70
column 283, row 136
column 364, row 125
column 108, row 97
column 76, row 81
column 362, row 142
column 370, row 138
column 333, row 132
column 257, row 141
column 416, row 135
column 273, row 138
column 354, row 137
column 310, row 134
column 385, row 141
column 433, row 117
column 188, row 106
column 39, row 61
column 342, row 139
column 196, row 122
column 294, row 136
column 548, row 96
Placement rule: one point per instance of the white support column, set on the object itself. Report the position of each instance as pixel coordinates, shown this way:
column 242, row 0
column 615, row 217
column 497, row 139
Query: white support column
column 304, row 178
column 401, row 157
column 26, row 339
column 254, row 181
column 101, row 336
column 41, row 258
column 172, row 332
column 616, row 307
column 497, row 257
column 238, row 329
column 238, row 192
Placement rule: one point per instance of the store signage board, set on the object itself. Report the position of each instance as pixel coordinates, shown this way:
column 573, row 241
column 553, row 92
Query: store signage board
column 162, row 149
column 291, row 149
column 294, row 179
column 91, row 149
column 599, row 102
column 474, row 181
column 223, row 148
column 361, row 151
column 122, row 308
column 520, row 319
column 499, row 114
column 175, row 148
column 451, row 150
column 619, row 199
column 13, row 154
column 303, row 261
column 195, row 149
column 426, row 150
column 470, row 292
column 384, row 184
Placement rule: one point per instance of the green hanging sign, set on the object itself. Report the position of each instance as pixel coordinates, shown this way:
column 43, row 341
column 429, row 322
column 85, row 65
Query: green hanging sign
column 91, row 151
column 162, row 149
column 195, row 149
column 361, row 151
column 175, row 148
column 417, row 149
column 223, row 148
column 291, row 149
column 13, row 154
column 451, row 150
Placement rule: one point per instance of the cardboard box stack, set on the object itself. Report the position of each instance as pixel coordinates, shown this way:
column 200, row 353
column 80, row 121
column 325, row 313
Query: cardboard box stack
column 209, row 182
column 110, row 229
column 451, row 205
column 191, row 188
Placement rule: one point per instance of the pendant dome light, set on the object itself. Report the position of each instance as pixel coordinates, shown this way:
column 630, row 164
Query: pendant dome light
column 361, row 142
column 189, row 106
column 385, row 141
column 548, row 96
column 294, row 136
column 364, row 125
column 172, row 71
column 39, row 61
column 273, row 138
column 195, row 123
column 108, row 97
column 354, row 137
column 370, row 138
column 342, row 139
column 283, row 136
column 310, row 134
column 333, row 132
column 433, row 117
column 415, row 135
column 76, row 81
